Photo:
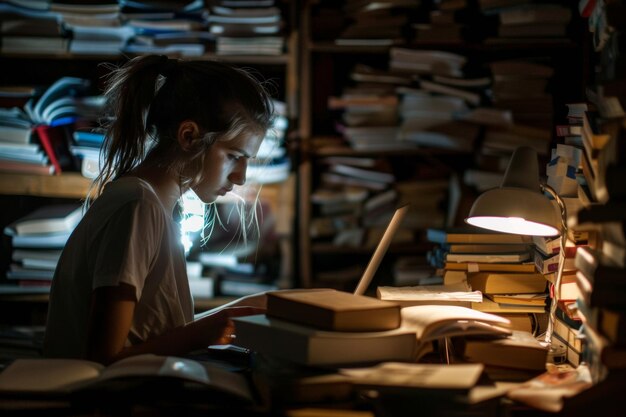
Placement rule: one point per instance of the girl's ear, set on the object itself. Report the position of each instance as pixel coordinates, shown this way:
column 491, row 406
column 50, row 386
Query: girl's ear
column 188, row 135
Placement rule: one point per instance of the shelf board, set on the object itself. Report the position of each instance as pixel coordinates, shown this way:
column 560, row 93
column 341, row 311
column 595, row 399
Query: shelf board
column 343, row 150
column 241, row 59
column 490, row 45
column 330, row 46
column 68, row 185
column 346, row 151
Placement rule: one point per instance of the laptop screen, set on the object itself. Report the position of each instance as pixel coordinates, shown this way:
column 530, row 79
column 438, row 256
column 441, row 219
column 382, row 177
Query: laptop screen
column 380, row 251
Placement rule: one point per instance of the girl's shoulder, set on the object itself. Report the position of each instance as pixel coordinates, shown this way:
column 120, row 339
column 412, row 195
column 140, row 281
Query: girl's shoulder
column 127, row 191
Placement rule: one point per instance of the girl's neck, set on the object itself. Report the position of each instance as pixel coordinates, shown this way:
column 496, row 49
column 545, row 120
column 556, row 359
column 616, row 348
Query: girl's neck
column 166, row 184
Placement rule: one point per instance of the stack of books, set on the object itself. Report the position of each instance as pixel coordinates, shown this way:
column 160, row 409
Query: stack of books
column 376, row 23
column 245, row 28
column 527, row 20
column 93, row 27
column 231, row 274
column 602, row 310
column 322, row 327
column 368, row 110
column 600, row 265
column 272, row 163
column 498, row 265
column 166, row 27
column 447, row 22
column 520, row 85
column 519, row 356
column 36, row 138
column 31, row 28
column 37, row 240
column 86, row 147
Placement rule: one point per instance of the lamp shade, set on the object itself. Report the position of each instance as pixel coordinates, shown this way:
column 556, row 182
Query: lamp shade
column 518, row 205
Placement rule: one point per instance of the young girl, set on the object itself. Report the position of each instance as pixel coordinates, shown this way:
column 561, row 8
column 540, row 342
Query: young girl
column 120, row 287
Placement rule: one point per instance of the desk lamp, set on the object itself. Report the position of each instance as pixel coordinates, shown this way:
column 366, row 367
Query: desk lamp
column 520, row 206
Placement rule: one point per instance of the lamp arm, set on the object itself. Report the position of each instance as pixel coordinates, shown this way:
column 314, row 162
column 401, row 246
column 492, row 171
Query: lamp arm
column 559, row 273
column 562, row 208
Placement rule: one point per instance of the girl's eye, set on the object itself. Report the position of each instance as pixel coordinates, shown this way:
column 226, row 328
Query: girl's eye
column 234, row 157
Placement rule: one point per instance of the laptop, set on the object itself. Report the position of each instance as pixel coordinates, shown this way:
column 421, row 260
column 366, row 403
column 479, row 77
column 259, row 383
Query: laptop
column 381, row 250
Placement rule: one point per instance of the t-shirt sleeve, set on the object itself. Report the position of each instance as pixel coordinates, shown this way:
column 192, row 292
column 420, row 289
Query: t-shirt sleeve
column 128, row 245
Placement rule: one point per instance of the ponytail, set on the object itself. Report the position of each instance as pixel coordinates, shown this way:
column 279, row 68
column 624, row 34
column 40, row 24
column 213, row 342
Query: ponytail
column 129, row 93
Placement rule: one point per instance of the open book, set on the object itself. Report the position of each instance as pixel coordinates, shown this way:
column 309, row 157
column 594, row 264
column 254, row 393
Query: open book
column 432, row 322
column 67, row 376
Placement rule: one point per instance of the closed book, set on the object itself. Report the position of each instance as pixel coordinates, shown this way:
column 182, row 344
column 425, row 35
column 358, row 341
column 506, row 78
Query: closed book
column 528, row 267
column 333, row 310
column 599, row 296
column 487, row 248
column 54, row 141
column 520, row 299
column 56, row 218
column 600, row 351
column 612, row 324
column 520, row 350
column 305, row 345
column 550, row 264
column 488, row 257
column 474, row 236
column 22, row 167
column 568, row 334
column 506, row 283
column 602, row 271
column 41, row 241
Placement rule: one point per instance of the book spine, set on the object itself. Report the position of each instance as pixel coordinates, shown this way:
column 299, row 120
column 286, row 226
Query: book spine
column 43, row 132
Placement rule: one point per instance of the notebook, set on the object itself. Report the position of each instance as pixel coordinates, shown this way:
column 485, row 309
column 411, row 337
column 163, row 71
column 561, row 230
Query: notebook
column 381, row 250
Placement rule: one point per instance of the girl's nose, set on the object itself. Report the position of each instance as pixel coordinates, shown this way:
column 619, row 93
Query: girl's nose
column 238, row 175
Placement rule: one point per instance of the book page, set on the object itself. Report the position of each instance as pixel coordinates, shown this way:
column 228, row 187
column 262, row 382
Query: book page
column 408, row 375
column 452, row 292
column 153, row 366
column 47, row 375
column 432, row 322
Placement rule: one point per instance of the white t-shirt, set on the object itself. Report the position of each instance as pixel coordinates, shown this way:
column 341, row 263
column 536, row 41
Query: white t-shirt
column 125, row 236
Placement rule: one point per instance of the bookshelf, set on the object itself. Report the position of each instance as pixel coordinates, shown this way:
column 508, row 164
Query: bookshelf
column 25, row 192
column 68, row 185
column 327, row 68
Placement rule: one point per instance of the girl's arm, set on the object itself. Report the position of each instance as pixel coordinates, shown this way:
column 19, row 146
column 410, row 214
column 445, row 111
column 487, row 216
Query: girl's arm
column 111, row 317
column 258, row 301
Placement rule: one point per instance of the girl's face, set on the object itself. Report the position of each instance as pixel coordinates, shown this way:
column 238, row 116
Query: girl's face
column 225, row 165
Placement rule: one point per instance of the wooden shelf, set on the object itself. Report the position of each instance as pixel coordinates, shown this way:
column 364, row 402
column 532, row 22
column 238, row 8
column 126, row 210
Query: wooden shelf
column 244, row 59
column 331, row 47
column 69, row 185
column 489, row 45
column 345, row 150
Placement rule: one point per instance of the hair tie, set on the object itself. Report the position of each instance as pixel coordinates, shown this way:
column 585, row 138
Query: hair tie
column 167, row 66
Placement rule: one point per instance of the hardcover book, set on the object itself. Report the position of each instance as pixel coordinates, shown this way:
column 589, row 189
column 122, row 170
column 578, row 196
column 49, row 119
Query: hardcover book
column 58, row 218
column 520, row 350
column 292, row 342
column 333, row 310
column 507, row 283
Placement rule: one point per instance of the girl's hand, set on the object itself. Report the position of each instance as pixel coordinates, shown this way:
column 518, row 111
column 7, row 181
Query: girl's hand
column 221, row 329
